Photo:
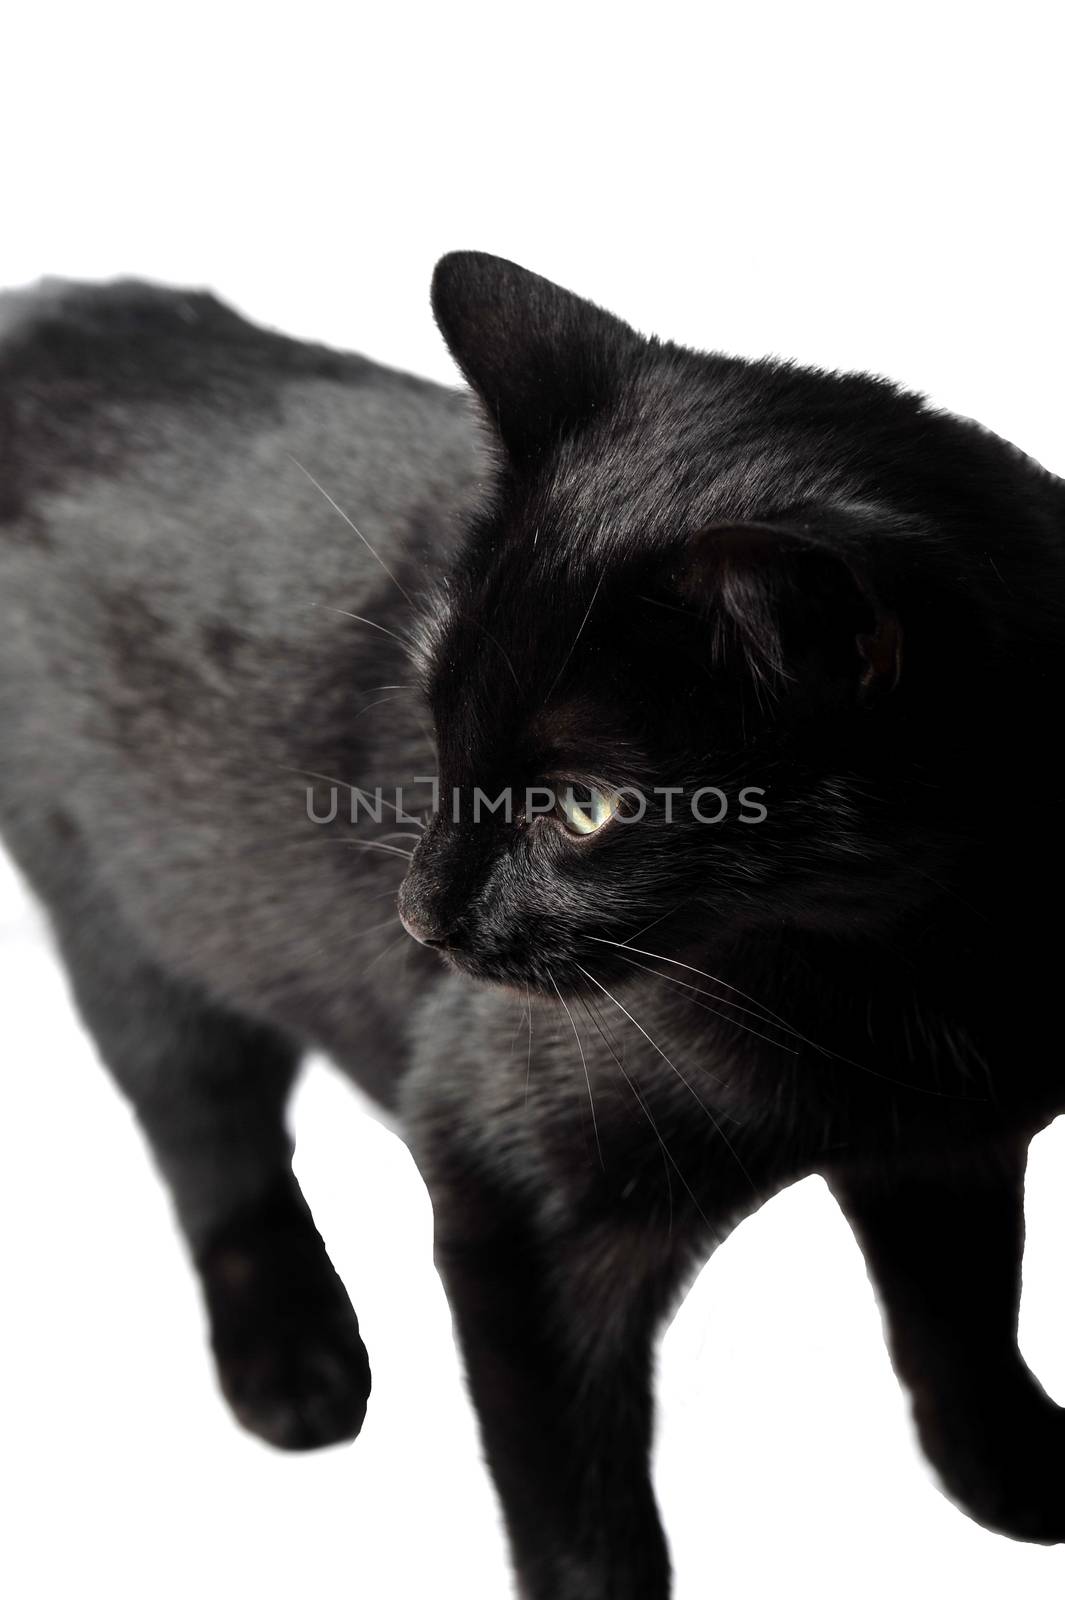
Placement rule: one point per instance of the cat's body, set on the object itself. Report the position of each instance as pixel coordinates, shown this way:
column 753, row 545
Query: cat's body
column 872, row 996
column 205, row 583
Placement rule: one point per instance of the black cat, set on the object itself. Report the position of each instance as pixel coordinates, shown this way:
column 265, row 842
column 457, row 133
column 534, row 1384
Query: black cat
column 743, row 684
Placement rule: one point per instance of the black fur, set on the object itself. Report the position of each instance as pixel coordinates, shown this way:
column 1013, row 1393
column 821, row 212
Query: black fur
column 657, row 569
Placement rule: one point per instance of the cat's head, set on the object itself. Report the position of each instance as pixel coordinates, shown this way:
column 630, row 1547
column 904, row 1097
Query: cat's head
column 679, row 585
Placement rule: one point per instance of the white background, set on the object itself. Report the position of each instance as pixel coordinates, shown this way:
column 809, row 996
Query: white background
column 852, row 186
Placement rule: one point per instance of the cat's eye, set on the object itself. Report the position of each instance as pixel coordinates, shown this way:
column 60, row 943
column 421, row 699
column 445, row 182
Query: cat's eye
column 582, row 808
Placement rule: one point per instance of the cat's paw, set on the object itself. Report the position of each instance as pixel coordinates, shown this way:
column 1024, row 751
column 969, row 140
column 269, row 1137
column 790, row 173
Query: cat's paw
column 285, row 1337
column 298, row 1384
column 1000, row 1456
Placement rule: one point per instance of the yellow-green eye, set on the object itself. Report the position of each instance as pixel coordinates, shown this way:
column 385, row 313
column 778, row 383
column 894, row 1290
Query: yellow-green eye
column 583, row 808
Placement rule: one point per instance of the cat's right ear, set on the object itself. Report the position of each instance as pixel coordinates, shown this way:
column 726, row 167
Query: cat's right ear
column 542, row 360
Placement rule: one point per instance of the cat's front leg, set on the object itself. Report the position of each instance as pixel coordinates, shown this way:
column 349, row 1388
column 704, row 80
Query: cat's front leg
column 209, row 1088
column 944, row 1248
column 556, row 1323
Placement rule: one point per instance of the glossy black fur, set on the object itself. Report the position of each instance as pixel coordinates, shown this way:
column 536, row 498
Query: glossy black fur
column 659, row 568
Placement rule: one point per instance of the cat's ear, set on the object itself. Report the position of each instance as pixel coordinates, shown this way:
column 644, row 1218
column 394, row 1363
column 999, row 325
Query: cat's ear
column 542, row 360
column 792, row 606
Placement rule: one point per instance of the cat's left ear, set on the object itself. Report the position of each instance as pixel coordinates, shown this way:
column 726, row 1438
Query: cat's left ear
column 542, row 360
column 794, row 604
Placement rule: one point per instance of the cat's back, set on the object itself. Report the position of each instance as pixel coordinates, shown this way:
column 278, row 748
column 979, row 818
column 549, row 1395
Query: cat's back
column 186, row 504
column 169, row 469
column 153, row 388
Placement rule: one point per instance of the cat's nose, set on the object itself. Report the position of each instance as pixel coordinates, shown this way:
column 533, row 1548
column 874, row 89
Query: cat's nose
column 422, row 929
column 418, row 914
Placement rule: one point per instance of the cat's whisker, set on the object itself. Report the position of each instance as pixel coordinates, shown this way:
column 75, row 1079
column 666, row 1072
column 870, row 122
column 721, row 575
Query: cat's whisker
column 576, row 639
column 387, row 570
column 364, row 933
column 669, row 1159
column 361, row 794
column 528, row 1063
column 604, row 1033
column 722, row 1135
column 394, row 944
column 382, row 700
column 354, row 616
column 830, row 1055
column 347, row 844
column 333, row 839
column 767, row 1015
column 735, row 1021
column 291, row 841
column 649, row 925
column 494, row 641
column 374, row 844
column 522, row 1007
column 587, row 1074
column 656, row 1047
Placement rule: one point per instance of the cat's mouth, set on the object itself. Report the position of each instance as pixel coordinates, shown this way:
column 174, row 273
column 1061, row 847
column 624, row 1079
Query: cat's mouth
column 523, row 955
column 494, row 968
column 520, row 972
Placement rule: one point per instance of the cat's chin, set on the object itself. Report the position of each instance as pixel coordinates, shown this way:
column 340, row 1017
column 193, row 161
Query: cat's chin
column 562, row 983
column 506, row 978
column 490, row 976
